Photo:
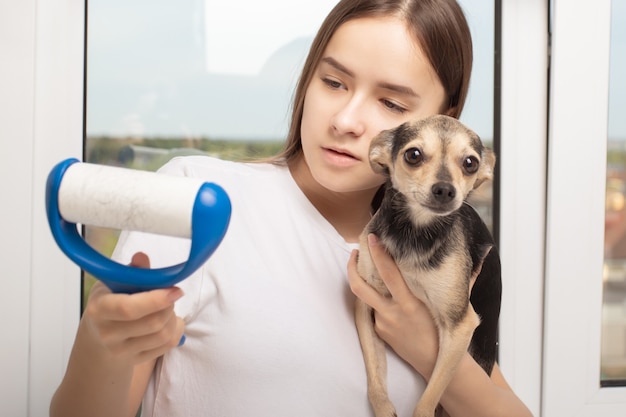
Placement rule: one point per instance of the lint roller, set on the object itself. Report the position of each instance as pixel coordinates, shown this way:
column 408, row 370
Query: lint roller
column 127, row 199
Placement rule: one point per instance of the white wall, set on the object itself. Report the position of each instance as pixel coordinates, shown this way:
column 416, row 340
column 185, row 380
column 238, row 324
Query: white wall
column 40, row 124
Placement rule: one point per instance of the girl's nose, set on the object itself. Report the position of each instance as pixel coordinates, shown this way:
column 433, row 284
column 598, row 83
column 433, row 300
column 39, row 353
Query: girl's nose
column 349, row 120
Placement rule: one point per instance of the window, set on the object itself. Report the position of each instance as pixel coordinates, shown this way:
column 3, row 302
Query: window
column 170, row 78
column 575, row 362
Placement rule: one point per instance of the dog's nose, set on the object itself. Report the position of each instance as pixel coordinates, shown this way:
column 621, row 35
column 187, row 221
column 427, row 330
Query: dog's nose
column 443, row 192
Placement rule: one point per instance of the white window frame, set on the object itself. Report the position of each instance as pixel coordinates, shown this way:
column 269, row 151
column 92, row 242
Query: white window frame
column 41, row 119
column 522, row 162
column 575, row 215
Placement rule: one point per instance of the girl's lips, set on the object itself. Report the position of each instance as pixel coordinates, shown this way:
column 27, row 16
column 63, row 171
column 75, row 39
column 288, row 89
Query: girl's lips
column 339, row 157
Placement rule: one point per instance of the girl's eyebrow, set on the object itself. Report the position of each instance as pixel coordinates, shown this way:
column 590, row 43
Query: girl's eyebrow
column 400, row 89
column 335, row 64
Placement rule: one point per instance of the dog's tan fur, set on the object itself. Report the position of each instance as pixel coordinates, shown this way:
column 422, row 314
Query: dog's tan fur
column 443, row 143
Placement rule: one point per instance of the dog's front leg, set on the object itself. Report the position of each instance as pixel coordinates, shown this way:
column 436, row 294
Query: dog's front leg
column 375, row 361
column 453, row 343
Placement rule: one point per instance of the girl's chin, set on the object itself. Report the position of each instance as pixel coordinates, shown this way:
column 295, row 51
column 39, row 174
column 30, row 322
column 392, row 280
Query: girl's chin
column 346, row 183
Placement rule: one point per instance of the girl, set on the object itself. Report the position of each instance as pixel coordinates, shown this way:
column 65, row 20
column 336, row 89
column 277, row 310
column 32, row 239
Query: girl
column 269, row 319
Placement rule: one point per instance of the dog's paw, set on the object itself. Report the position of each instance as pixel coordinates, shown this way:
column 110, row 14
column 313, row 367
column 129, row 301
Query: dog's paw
column 422, row 412
column 379, row 399
column 386, row 413
column 385, row 409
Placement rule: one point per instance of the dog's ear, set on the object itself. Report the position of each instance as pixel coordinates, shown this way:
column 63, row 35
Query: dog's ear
column 487, row 164
column 380, row 152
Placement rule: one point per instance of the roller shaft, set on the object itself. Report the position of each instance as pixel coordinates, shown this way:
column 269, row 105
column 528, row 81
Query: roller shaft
column 125, row 199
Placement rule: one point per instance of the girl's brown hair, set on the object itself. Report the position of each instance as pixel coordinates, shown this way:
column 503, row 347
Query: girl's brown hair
column 440, row 28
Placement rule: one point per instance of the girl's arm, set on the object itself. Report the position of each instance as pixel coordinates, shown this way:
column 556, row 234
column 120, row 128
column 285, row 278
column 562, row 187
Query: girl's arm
column 119, row 338
column 406, row 325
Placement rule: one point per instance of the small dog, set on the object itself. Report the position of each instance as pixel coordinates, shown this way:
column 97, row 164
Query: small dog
column 440, row 245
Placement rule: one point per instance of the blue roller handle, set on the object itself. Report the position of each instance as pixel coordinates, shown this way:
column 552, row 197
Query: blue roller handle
column 210, row 218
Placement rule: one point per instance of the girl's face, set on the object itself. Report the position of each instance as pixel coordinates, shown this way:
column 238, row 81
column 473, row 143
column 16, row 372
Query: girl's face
column 372, row 77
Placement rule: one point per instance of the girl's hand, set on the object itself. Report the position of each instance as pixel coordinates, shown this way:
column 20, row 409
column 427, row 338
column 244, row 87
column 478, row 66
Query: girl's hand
column 401, row 320
column 134, row 327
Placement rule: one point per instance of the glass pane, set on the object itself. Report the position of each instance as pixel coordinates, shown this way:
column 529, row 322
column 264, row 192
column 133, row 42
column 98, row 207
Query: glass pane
column 478, row 113
column 167, row 78
column 613, row 362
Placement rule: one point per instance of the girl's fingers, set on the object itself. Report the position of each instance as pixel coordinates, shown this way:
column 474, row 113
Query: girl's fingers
column 361, row 288
column 401, row 320
column 388, row 270
column 160, row 340
column 134, row 324
column 117, row 331
column 151, row 348
column 129, row 307
column 140, row 260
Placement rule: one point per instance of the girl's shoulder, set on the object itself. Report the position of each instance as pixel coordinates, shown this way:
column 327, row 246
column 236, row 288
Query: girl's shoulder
column 247, row 183
column 214, row 169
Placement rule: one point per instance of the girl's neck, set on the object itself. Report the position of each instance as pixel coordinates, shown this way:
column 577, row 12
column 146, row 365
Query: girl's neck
column 348, row 212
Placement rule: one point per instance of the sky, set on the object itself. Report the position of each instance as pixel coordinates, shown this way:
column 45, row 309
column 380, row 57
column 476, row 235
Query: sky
column 214, row 68
column 617, row 74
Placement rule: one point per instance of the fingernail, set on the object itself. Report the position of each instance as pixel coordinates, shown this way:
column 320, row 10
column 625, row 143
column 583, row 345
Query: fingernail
column 182, row 340
column 174, row 294
column 372, row 239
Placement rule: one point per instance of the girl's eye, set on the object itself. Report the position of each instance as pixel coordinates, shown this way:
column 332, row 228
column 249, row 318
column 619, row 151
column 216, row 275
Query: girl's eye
column 393, row 106
column 413, row 156
column 334, row 84
column 470, row 164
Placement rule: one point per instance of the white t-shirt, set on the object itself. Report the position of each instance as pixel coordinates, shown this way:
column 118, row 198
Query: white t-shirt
column 269, row 318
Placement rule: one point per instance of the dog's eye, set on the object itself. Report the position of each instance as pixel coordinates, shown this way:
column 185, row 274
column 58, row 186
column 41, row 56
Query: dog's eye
column 470, row 164
column 413, row 156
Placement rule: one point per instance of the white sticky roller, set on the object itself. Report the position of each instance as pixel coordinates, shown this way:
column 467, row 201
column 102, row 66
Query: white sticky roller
column 127, row 199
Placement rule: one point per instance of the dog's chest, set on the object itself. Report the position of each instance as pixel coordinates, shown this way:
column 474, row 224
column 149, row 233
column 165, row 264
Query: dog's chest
column 434, row 261
column 436, row 285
